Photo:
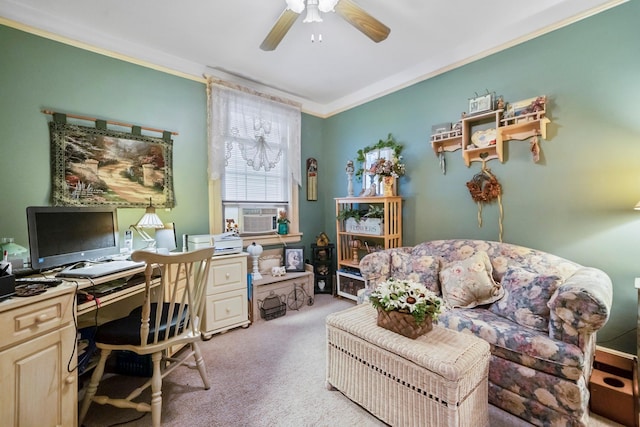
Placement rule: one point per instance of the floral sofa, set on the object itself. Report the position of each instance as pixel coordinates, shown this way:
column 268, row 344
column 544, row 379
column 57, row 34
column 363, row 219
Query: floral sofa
column 539, row 312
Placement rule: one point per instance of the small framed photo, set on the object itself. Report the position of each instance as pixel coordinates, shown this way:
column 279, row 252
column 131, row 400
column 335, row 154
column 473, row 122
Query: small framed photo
column 294, row 258
column 481, row 103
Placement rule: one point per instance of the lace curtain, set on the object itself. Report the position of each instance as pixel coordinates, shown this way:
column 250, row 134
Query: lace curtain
column 260, row 127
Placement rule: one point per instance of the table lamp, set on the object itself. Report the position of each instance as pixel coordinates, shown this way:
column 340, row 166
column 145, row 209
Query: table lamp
column 149, row 220
column 16, row 254
column 255, row 250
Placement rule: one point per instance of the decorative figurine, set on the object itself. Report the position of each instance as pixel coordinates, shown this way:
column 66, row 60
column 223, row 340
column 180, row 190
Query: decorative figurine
column 355, row 246
column 350, row 169
column 372, row 190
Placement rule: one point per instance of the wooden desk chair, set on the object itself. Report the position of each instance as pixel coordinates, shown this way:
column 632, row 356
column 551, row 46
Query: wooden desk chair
column 149, row 330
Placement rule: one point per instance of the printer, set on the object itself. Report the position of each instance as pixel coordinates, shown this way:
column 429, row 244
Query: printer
column 223, row 244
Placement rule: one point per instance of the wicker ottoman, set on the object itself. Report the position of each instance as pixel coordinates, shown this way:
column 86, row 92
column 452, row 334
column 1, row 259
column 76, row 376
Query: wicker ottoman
column 438, row 379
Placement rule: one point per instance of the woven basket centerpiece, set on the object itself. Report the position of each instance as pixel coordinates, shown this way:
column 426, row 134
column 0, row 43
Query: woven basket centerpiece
column 403, row 323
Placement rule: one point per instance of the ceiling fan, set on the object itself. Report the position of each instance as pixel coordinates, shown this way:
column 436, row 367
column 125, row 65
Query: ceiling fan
column 350, row 11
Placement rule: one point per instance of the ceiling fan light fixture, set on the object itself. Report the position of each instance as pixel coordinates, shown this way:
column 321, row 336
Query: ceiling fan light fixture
column 296, row 6
column 313, row 14
column 327, row 6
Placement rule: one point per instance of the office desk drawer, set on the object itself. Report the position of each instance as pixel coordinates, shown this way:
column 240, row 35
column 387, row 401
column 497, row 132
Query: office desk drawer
column 227, row 275
column 30, row 320
column 226, row 310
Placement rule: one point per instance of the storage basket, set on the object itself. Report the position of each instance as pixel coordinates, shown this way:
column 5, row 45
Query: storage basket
column 273, row 306
column 403, row 323
column 133, row 364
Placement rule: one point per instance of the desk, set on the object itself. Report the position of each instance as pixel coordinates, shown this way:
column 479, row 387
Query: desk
column 38, row 334
column 37, row 346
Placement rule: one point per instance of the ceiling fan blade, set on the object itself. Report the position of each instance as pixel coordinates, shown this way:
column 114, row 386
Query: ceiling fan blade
column 364, row 22
column 279, row 30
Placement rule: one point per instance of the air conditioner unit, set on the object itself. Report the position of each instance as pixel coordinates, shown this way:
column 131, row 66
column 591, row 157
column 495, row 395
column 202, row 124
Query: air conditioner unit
column 258, row 220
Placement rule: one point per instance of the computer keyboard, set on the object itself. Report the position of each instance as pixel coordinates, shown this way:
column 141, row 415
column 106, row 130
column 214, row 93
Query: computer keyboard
column 48, row 281
column 100, row 269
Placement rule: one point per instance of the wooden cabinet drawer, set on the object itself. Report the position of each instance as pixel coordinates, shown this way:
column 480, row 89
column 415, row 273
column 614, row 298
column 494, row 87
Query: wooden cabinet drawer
column 227, row 276
column 27, row 321
column 226, row 310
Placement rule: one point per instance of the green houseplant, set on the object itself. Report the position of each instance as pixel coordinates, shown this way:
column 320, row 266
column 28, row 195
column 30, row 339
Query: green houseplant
column 345, row 214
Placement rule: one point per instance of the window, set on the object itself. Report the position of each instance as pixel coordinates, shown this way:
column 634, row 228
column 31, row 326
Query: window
column 255, row 154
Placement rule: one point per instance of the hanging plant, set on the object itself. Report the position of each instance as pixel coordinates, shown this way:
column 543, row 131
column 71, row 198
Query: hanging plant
column 390, row 142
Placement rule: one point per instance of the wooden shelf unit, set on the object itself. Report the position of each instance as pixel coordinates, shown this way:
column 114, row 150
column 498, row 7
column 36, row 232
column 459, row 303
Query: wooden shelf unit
column 484, row 121
column 391, row 237
column 514, row 128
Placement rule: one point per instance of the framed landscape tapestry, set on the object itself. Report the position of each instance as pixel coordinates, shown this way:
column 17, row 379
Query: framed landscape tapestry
column 96, row 166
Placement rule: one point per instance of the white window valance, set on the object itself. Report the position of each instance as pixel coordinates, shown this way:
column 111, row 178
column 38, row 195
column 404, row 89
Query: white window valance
column 264, row 130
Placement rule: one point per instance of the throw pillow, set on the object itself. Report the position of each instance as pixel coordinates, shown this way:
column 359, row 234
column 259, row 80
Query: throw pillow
column 267, row 262
column 421, row 269
column 469, row 283
column 526, row 298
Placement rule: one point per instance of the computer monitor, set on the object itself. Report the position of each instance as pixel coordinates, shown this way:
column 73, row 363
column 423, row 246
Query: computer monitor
column 63, row 235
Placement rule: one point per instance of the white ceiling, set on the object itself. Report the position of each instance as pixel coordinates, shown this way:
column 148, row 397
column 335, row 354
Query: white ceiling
column 222, row 38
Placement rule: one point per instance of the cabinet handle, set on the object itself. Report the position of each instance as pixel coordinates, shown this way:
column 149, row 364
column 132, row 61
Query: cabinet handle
column 42, row 318
column 70, row 379
column 228, row 275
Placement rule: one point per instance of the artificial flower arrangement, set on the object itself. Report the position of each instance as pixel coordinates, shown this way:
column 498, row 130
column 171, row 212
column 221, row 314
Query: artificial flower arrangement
column 282, row 217
column 407, row 296
column 383, row 167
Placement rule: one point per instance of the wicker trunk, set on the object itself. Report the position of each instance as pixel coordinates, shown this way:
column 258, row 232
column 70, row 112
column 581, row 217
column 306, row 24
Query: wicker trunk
column 438, row 379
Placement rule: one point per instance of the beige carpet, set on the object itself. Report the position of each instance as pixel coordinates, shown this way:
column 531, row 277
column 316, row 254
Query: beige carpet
column 270, row 374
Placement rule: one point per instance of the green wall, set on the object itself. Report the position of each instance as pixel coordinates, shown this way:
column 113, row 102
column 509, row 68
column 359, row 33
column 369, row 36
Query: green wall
column 576, row 202
column 37, row 74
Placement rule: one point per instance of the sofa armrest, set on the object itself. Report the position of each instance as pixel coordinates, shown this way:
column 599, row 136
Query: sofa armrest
column 580, row 306
column 375, row 266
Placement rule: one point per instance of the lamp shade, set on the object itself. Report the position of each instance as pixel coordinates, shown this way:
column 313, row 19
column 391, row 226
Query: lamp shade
column 296, row 6
column 12, row 248
column 150, row 219
column 326, row 6
column 313, row 14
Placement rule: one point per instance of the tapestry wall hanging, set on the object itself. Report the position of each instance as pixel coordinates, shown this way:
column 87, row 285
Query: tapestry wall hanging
column 96, row 166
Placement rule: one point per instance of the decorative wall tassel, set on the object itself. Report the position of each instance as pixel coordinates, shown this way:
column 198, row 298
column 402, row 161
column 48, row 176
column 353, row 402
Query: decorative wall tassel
column 535, row 149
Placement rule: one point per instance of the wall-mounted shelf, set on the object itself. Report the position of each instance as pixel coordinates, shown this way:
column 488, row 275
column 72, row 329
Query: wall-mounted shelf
column 523, row 127
column 446, row 141
column 481, row 123
column 482, row 136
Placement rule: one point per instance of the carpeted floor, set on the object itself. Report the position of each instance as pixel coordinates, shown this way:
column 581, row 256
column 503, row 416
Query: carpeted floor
column 269, row 374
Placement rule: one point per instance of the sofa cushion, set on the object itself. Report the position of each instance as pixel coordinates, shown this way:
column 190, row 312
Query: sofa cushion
column 469, row 282
column 421, row 269
column 526, row 297
column 523, row 346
